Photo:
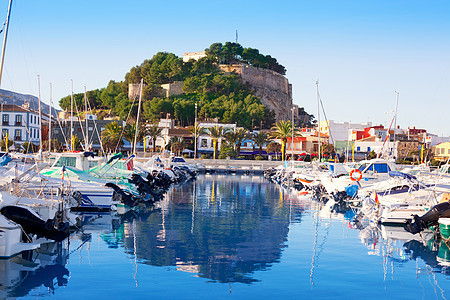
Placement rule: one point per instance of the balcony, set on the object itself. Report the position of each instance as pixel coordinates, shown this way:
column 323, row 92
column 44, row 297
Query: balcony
column 18, row 123
column 5, row 123
column 18, row 138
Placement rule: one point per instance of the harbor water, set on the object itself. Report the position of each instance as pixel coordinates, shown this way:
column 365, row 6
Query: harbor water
column 232, row 236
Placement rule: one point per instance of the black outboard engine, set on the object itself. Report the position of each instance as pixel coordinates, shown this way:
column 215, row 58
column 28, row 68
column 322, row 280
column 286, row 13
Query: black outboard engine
column 33, row 224
column 126, row 197
column 418, row 224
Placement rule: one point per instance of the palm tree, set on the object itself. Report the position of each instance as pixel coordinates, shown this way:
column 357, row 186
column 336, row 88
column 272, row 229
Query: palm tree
column 273, row 148
column 111, row 136
column 176, row 145
column 260, row 138
column 130, row 131
column 235, row 138
column 282, row 130
column 217, row 133
column 154, row 132
column 197, row 131
column 241, row 135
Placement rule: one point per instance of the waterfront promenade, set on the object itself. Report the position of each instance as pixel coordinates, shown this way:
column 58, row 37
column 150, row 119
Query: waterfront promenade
column 229, row 165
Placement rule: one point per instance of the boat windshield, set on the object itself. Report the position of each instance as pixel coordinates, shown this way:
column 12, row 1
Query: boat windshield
column 66, row 161
column 363, row 166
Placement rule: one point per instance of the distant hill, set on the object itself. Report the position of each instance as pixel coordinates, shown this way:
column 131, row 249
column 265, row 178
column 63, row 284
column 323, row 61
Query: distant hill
column 9, row 97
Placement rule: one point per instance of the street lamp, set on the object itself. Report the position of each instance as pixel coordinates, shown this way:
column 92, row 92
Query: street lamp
column 195, row 133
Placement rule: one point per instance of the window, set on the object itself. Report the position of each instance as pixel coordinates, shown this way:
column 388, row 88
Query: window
column 18, row 120
column 5, row 119
column 5, row 132
column 358, row 148
column 204, row 143
column 18, row 135
column 368, row 149
column 381, row 168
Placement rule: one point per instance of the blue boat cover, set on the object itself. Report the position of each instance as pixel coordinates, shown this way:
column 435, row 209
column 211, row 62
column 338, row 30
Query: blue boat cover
column 352, row 190
column 4, row 160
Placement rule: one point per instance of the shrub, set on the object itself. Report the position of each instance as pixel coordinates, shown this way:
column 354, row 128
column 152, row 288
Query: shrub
column 435, row 163
column 258, row 157
column 203, row 156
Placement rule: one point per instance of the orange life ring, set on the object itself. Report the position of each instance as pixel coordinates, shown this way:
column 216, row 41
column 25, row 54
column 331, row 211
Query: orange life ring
column 359, row 175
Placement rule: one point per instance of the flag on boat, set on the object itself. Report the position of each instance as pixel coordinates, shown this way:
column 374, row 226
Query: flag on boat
column 377, row 201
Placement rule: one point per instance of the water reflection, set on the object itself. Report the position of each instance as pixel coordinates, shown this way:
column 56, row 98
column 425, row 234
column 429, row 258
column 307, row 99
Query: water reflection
column 24, row 274
column 398, row 246
column 220, row 227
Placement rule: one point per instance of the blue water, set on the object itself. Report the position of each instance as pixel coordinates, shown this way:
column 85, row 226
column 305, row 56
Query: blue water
column 227, row 236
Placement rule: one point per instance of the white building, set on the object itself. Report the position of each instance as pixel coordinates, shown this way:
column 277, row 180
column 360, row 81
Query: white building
column 205, row 142
column 340, row 131
column 20, row 123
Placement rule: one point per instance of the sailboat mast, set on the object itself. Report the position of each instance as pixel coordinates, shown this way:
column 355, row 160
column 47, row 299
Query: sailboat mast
column 4, row 40
column 85, row 117
column 71, row 116
column 137, row 120
column 40, row 117
column 318, row 115
column 396, row 107
column 50, row 123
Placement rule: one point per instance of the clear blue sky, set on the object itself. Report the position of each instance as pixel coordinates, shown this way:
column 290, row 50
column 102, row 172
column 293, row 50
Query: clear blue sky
column 360, row 51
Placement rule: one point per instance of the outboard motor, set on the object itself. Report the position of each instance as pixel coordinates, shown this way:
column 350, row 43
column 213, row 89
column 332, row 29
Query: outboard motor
column 418, row 224
column 126, row 197
column 33, row 224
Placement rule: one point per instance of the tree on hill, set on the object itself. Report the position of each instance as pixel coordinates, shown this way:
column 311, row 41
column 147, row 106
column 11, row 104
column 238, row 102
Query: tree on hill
column 305, row 119
column 163, row 67
column 230, row 53
column 157, row 108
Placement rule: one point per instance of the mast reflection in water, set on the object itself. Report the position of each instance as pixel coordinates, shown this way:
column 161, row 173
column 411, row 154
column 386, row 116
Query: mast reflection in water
column 221, row 227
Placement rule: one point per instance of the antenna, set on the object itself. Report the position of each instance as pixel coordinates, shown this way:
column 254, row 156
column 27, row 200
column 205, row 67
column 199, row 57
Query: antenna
column 237, row 36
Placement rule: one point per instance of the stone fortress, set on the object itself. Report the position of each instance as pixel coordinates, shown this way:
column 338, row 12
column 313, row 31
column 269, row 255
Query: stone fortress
column 272, row 88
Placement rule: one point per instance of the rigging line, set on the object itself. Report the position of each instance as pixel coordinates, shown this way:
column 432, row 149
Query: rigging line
column 96, row 128
column 81, row 126
column 62, row 131
column 326, row 119
column 126, row 121
column 3, row 27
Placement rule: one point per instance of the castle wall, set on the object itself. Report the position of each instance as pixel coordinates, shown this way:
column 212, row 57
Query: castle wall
column 274, row 89
column 172, row 89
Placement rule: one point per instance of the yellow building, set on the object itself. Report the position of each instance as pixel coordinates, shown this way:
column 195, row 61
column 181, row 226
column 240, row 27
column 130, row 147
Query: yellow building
column 442, row 151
